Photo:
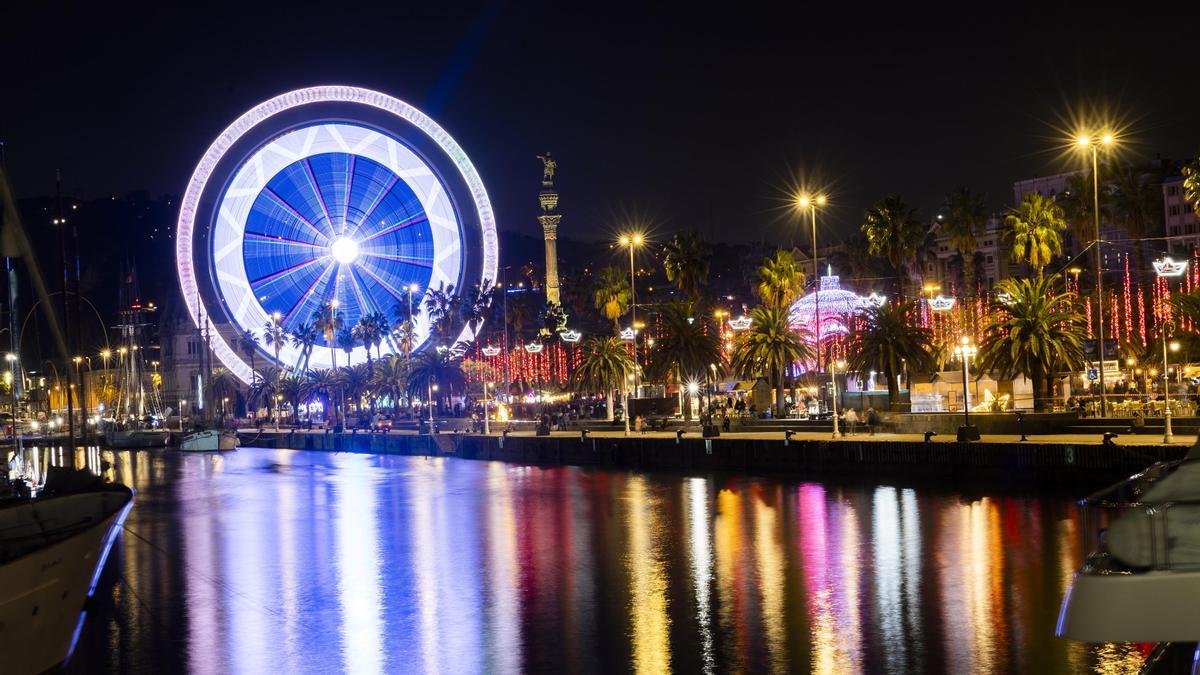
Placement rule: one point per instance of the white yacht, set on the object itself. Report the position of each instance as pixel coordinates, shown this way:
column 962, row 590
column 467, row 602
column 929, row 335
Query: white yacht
column 209, row 440
column 52, row 549
column 1141, row 583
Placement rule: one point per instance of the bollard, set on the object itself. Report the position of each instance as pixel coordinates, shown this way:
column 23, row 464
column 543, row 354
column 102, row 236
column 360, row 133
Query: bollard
column 929, row 435
column 1021, row 425
column 678, row 436
column 787, row 437
column 583, row 434
column 1108, row 439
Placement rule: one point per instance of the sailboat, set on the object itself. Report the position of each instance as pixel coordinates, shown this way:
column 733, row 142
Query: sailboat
column 210, row 435
column 134, row 423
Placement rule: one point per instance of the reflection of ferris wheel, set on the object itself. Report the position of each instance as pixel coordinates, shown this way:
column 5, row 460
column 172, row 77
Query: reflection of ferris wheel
column 330, row 195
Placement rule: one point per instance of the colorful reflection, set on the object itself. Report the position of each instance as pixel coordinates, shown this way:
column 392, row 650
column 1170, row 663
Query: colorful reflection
column 297, row 562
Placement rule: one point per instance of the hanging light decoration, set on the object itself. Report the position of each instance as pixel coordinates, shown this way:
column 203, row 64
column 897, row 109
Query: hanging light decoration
column 941, row 303
column 490, row 351
column 534, row 347
column 570, row 336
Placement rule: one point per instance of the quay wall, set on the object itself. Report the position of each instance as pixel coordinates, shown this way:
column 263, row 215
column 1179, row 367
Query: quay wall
column 1019, row 462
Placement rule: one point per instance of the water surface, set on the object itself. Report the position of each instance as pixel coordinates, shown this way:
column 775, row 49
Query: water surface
column 307, row 562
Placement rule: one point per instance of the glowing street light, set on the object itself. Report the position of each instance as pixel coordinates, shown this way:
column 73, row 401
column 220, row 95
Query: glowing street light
column 965, row 351
column 834, row 367
column 1093, row 141
column 1166, row 269
column 633, row 241
column 810, row 204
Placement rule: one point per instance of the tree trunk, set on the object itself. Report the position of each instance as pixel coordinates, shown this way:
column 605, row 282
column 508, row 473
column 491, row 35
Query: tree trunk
column 608, row 404
column 969, row 287
column 893, row 385
column 779, row 393
column 1039, row 387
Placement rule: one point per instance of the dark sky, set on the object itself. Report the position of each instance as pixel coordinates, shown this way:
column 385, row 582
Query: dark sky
column 698, row 115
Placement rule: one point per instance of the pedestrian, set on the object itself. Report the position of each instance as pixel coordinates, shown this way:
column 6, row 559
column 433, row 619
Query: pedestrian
column 850, row 417
column 872, row 420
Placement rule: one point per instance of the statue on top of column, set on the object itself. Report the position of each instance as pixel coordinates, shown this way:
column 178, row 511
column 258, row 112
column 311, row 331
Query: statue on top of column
column 549, row 166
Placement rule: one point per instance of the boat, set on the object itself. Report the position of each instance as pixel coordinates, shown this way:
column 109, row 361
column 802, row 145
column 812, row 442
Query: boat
column 1141, row 582
column 52, row 550
column 209, row 440
column 136, row 438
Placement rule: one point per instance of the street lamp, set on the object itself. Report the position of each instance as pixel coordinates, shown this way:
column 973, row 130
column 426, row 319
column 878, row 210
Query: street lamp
column 966, row 351
column 810, row 204
column 834, row 367
column 487, row 429
column 1093, row 142
column 1166, row 269
column 632, row 241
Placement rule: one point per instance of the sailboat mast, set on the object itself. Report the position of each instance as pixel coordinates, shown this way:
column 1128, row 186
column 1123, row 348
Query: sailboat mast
column 62, row 250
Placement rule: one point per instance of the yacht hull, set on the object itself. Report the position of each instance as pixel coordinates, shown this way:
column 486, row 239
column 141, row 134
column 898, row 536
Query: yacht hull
column 137, row 438
column 43, row 592
column 209, row 440
column 1156, row 606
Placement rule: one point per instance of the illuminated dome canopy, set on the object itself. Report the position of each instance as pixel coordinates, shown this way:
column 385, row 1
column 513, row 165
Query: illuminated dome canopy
column 836, row 305
column 329, row 195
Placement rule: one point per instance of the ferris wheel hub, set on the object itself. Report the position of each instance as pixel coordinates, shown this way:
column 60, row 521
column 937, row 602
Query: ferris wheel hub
column 344, row 250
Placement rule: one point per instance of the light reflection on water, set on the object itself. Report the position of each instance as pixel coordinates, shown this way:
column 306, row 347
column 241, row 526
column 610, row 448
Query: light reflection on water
column 262, row 560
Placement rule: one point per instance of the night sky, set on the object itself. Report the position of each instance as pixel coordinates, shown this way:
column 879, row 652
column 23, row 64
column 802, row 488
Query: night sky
column 700, row 116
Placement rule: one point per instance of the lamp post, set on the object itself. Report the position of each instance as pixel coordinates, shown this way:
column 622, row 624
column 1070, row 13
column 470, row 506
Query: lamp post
column 276, row 339
column 1094, row 143
column 833, row 368
column 12, row 389
column 632, row 241
column 182, row 408
column 965, row 351
column 1166, row 269
column 487, row 429
column 810, row 204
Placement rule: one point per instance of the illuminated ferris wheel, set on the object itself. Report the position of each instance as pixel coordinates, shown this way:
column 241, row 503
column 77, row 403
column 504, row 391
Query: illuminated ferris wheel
column 328, row 196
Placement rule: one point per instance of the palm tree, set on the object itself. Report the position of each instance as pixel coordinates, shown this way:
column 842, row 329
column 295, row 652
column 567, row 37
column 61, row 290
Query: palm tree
column 889, row 340
column 1191, row 183
column 768, row 347
column 328, row 321
column 366, row 332
column 249, row 344
column 381, row 331
column 687, row 348
column 475, row 304
column 391, row 378
column 1137, row 202
column 293, row 388
column 612, row 295
column 1032, row 231
column 263, row 391
column 894, row 233
column 324, row 382
column 443, row 307
column 274, row 336
column 1035, row 332
column 964, row 215
column 346, row 341
column 606, row 366
column 222, row 384
column 685, row 260
column 1078, row 206
column 780, row 280
column 520, row 313
column 441, row 370
column 304, row 337
column 356, row 380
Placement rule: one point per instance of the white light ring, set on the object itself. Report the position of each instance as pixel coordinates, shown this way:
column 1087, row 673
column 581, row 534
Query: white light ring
column 256, row 115
column 258, row 169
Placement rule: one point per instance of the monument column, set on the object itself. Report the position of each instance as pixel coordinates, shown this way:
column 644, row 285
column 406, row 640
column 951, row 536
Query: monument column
column 549, row 218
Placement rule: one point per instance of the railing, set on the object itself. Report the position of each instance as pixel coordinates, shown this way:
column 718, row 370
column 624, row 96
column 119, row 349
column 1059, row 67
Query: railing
column 1144, row 538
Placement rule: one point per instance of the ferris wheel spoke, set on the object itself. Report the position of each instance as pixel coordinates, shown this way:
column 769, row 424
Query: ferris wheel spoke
column 316, row 188
column 408, row 222
column 375, row 203
column 291, row 209
column 285, row 272
column 386, row 286
column 417, row 262
column 307, row 294
column 283, row 241
column 349, row 187
column 358, row 293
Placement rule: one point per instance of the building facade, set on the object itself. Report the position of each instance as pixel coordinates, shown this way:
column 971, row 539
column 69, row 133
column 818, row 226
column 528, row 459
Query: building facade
column 1181, row 226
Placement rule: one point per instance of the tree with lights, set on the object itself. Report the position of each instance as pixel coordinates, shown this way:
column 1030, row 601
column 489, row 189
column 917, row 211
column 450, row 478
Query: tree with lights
column 687, row 349
column 780, row 280
column 606, row 367
column 894, row 233
column 613, row 295
column 964, row 214
column 769, row 347
column 685, row 260
column 1034, row 331
column 890, row 341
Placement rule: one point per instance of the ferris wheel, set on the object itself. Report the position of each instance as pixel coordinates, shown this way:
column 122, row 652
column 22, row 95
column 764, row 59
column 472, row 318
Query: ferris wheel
column 329, row 197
